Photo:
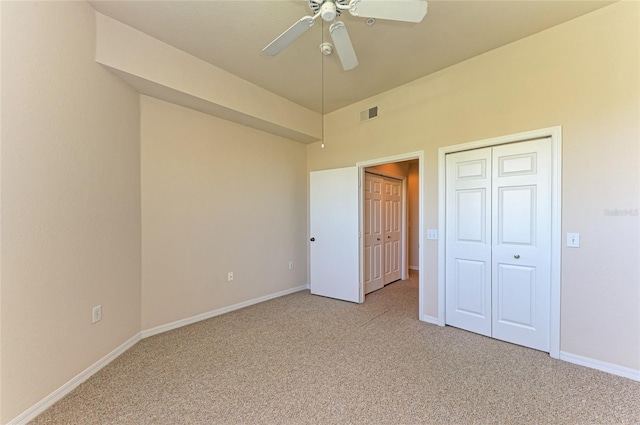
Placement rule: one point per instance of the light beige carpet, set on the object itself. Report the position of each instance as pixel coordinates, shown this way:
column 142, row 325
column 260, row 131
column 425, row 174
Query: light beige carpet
column 303, row 359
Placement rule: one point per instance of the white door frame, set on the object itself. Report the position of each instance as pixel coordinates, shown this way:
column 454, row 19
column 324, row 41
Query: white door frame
column 419, row 155
column 555, row 133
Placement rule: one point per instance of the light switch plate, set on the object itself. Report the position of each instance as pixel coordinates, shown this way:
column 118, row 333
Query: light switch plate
column 573, row 240
column 432, row 234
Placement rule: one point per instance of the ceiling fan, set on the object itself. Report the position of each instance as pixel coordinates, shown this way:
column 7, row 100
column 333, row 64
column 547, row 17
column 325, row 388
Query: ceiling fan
column 328, row 10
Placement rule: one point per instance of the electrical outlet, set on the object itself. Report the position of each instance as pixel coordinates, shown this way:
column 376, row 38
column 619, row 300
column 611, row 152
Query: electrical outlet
column 97, row 313
column 291, row 265
column 230, row 277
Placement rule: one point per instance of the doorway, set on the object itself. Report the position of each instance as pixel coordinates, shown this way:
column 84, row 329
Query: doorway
column 336, row 220
column 402, row 174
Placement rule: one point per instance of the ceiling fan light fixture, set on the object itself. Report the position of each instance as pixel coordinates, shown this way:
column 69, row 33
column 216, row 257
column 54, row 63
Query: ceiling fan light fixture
column 326, row 48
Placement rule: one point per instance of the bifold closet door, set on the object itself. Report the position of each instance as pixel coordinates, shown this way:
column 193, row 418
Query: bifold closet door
column 498, row 242
column 392, row 230
column 382, row 231
column 468, row 241
column 521, row 251
column 373, row 233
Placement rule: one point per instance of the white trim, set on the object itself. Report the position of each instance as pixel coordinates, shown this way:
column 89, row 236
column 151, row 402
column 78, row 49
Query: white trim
column 413, row 267
column 614, row 369
column 430, row 319
column 419, row 155
column 65, row 389
column 190, row 320
column 555, row 133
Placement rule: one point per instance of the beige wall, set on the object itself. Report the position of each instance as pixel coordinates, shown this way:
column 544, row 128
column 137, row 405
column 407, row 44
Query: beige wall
column 583, row 75
column 70, row 228
column 216, row 197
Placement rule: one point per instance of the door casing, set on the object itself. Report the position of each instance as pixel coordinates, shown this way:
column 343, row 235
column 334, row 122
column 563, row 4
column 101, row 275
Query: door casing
column 555, row 133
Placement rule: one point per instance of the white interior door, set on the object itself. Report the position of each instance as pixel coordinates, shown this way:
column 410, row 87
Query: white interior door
column 334, row 258
column 498, row 242
column 521, row 227
column 392, row 230
column 373, row 234
column 468, row 241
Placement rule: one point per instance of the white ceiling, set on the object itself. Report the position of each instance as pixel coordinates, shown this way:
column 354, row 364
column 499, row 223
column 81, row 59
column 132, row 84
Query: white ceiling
column 230, row 34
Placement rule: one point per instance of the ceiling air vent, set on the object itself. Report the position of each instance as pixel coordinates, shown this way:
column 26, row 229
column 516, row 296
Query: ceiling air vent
column 369, row 114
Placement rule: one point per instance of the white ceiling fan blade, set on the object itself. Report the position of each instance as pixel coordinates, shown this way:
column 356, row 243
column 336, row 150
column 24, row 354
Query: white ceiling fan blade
column 343, row 45
column 289, row 36
column 394, row 10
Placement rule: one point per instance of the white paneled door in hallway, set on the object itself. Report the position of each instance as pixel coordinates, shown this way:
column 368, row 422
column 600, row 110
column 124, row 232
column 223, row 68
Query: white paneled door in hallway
column 392, row 229
column 373, row 233
column 382, row 231
column 498, row 242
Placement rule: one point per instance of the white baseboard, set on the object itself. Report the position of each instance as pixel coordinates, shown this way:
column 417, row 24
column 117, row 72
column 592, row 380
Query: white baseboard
column 49, row 400
column 58, row 394
column 414, row 268
column 189, row 320
column 614, row 369
column 430, row 319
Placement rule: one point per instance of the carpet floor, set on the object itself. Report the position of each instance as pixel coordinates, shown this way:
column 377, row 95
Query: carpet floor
column 303, row 359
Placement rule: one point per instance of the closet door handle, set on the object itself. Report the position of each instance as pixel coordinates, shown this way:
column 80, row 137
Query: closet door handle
column 312, row 239
column 517, row 256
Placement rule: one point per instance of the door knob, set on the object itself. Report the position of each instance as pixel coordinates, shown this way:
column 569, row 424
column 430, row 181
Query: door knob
column 516, row 256
column 388, row 237
column 312, row 239
column 377, row 239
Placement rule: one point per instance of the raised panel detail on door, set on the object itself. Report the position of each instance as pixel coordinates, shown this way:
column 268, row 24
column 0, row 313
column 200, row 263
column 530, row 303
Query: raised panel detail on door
column 476, row 169
column 471, row 217
column 516, row 286
column 517, row 221
column 470, row 286
column 517, row 164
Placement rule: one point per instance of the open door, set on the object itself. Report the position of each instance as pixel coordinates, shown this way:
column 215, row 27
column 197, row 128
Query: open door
column 334, row 241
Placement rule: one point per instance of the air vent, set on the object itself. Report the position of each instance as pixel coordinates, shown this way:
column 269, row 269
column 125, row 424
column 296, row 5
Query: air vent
column 369, row 114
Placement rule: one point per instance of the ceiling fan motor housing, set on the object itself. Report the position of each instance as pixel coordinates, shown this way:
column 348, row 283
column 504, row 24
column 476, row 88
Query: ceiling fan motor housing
column 327, row 8
column 328, row 11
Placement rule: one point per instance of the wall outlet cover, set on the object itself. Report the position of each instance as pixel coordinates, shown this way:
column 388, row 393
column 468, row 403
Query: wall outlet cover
column 573, row 240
